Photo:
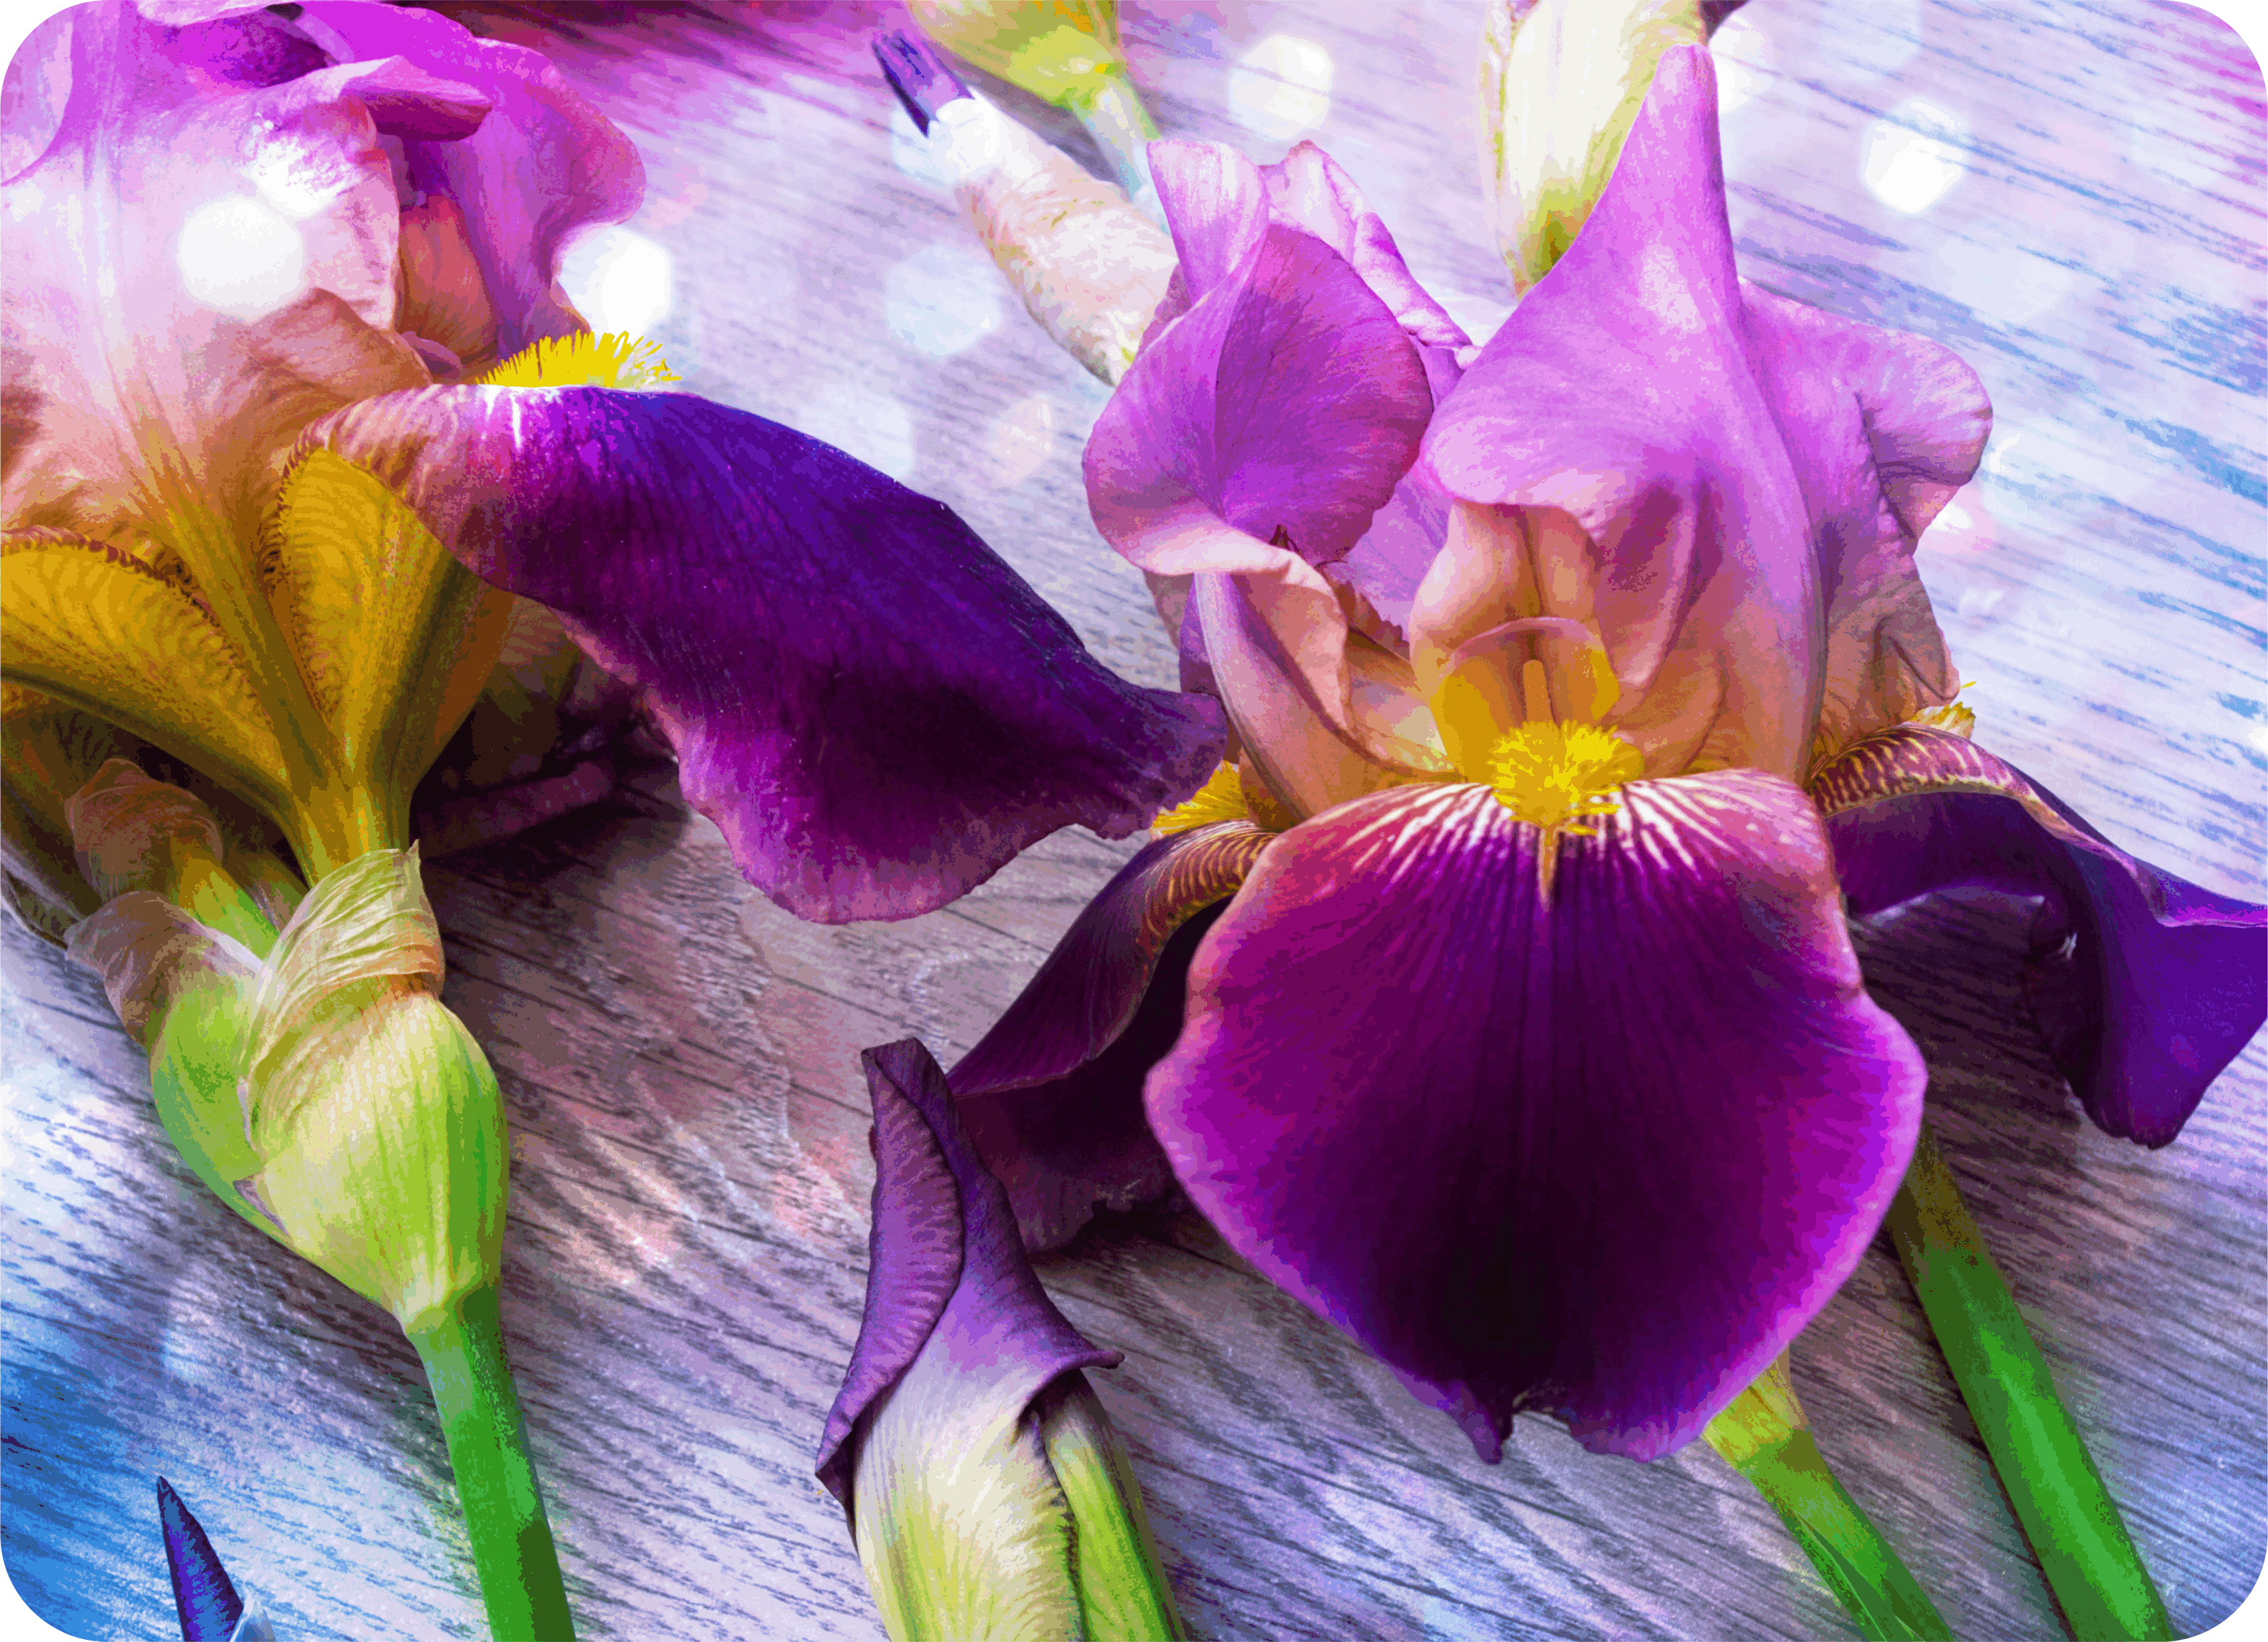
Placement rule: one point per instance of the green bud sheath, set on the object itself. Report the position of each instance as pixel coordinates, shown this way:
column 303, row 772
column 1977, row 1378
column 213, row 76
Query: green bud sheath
column 1561, row 83
column 1122, row 1594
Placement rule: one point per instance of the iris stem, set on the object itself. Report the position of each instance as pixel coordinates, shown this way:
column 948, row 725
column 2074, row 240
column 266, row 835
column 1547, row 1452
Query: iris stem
column 1882, row 1596
column 512, row 1552
column 2075, row 1530
column 1765, row 1436
column 1120, row 126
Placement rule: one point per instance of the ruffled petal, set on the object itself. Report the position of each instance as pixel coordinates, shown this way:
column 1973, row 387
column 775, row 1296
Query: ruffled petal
column 1052, row 1094
column 543, row 167
column 1283, row 406
column 1883, row 427
column 872, row 706
column 1308, row 187
column 947, row 1272
column 1600, row 1153
column 2154, row 985
column 1740, row 479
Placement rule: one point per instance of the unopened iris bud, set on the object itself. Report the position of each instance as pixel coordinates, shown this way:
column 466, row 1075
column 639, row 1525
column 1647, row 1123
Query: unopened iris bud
column 1561, row 83
column 205, row 1598
column 1088, row 265
column 987, row 1492
column 326, row 1095
column 1063, row 51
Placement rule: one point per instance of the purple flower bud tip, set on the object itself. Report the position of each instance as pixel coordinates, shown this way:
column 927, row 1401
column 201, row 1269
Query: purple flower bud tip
column 203, row 1596
column 923, row 82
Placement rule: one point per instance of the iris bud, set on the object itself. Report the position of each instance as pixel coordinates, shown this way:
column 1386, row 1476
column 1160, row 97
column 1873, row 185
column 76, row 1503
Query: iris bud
column 987, row 1492
column 1065, row 52
column 326, row 1095
column 1561, row 83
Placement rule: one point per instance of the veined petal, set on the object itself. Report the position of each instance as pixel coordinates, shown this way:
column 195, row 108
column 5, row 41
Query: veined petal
column 2163, row 984
column 948, row 1278
column 1600, row 1153
column 874, row 707
column 1309, row 189
column 1052, row 1094
column 1883, row 427
column 102, row 633
column 1276, row 645
column 1286, row 402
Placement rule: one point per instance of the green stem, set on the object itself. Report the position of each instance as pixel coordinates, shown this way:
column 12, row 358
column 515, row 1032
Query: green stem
column 2082, row 1544
column 1120, row 126
column 1850, row 1552
column 518, row 1565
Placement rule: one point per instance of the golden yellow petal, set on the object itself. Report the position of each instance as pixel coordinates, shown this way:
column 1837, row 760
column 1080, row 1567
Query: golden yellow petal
column 99, row 631
column 394, row 637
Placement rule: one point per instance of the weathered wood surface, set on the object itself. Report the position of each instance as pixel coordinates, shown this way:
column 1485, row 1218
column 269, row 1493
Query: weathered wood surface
column 687, row 1251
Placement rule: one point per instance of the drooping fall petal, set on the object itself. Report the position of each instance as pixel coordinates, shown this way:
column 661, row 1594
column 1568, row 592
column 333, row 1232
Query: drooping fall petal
column 1599, row 1151
column 1723, row 486
column 1052, row 1094
column 2151, row 985
column 874, row 707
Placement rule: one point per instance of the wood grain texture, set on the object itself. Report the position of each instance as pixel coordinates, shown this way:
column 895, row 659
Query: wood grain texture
column 686, row 1252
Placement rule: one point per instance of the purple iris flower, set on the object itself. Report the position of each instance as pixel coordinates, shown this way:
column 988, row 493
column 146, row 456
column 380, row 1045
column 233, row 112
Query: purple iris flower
column 1500, row 1004
column 877, row 711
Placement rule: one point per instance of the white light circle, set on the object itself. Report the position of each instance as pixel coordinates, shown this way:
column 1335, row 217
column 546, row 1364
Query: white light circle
column 1742, row 53
column 1913, row 155
column 242, row 257
column 619, row 280
column 943, row 299
column 1281, row 87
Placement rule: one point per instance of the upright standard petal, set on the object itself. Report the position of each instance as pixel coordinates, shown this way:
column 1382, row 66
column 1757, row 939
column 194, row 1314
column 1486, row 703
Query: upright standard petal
column 1052, row 1094
column 872, row 706
column 543, row 165
column 1724, row 486
column 1286, row 402
column 199, row 263
column 1599, row 1151
column 2152, row 985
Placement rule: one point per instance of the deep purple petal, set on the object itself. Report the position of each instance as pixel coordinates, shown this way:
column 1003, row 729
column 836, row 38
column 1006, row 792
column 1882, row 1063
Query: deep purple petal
column 1748, row 475
column 2167, row 981
column 1286, row 399
column 204, row 1598
column 544, row 164
column 872, row 706
column 1052, row 1094
column 945, row 1260
column 1601, row 1154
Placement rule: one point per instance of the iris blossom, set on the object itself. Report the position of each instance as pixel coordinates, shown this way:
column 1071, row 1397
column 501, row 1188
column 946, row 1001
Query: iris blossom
column 1498, row 1003
column 295, row 406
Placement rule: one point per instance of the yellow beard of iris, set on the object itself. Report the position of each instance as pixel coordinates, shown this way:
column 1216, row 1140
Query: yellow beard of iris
column 1555, row 776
